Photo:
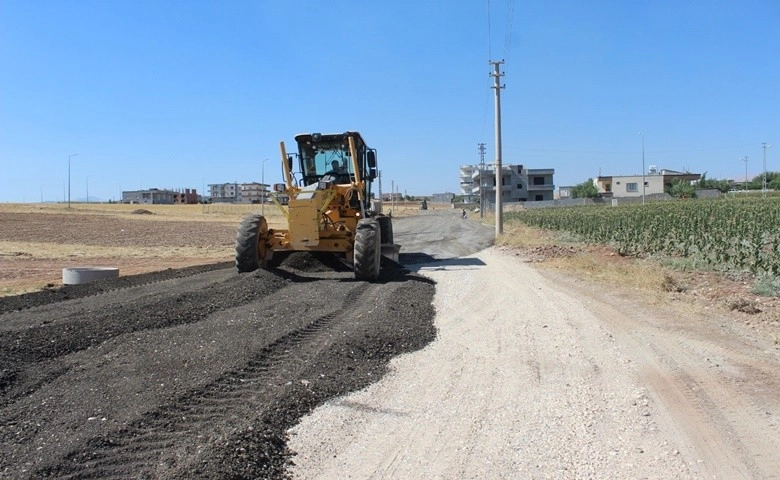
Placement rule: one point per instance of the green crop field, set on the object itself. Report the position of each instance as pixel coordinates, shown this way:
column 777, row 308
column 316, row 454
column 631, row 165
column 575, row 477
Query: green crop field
column 727, row 234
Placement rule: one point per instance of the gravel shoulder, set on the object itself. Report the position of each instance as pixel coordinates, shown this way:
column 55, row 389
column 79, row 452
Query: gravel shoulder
column 536, row 375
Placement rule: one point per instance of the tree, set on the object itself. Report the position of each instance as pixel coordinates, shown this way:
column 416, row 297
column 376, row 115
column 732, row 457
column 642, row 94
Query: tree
column 681, row 189
column 586, row 189
column 713, row 183
column 772, row 178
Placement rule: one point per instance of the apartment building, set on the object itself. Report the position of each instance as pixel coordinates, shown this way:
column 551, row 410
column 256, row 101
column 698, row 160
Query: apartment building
column 224, row 192
column 517, row 183
column 253, row 192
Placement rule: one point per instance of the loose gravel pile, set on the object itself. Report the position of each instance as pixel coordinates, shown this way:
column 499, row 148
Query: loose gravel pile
column 192, row 373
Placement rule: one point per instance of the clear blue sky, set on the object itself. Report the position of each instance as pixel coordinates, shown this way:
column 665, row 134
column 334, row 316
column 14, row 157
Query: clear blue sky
column 177, row 94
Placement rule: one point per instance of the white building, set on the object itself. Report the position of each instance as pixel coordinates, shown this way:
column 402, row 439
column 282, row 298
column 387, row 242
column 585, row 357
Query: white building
column 655, row 182
column 225, row 192
column 518, row 184
column 252, row 192
column 152, row 196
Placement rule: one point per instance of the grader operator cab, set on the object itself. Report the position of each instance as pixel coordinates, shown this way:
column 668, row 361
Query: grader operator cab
column 328, row 208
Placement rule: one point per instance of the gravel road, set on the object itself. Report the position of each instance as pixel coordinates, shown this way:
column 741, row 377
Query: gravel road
column 541, row 376
column 504, row 371
column 193, row 373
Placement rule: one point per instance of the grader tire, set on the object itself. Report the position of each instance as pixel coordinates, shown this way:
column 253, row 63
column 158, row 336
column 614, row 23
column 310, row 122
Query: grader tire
column 367, row 255
column 251, row 244
column 386, row 229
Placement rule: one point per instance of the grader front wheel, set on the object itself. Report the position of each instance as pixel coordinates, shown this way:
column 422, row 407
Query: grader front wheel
column 367, row 254
column 252, row 249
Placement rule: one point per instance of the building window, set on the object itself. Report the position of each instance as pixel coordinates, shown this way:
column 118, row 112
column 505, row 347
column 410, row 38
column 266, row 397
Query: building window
column 519, row 186
column 538, row 180
column 632, row 187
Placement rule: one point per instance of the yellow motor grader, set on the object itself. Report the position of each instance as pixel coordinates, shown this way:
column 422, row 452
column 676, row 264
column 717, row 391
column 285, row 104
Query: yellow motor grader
column 328, row 208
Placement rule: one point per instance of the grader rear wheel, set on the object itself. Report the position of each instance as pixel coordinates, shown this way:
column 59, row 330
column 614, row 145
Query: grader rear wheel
column 386, row 229
column 252, row 250
column 367, row 254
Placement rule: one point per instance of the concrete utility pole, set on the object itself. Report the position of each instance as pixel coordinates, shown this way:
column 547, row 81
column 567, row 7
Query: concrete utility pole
column 481, row 147
column 764, row 145
column 643, row 166
column 745, row 159
column 392, row 195
column 499, row 208
column 262, row 188
column 69, row 157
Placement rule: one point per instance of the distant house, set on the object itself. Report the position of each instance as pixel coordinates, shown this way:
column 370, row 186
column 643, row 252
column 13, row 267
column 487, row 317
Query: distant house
column 390, row 197
column 564, row 191
column 442, row 197
column 188, row 196
column 655, row 182
column 153, row 196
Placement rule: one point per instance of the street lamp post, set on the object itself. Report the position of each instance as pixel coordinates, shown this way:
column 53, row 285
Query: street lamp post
column 763, row 182
column 262, row 189
column 69, row 157
column 643, row 167
column 745, row 159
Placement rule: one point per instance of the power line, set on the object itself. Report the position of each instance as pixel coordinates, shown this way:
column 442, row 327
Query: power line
column 508, row 33
column 628, row 152
column 490, row 34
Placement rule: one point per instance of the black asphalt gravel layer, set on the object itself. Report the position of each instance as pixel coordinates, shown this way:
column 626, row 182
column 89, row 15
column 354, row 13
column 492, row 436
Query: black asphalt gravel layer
column 193, row 373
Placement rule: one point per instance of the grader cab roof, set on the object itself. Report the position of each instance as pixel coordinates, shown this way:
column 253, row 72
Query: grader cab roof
column 330, row 138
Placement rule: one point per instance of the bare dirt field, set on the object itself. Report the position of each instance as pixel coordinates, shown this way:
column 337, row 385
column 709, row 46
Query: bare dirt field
column 515, row 362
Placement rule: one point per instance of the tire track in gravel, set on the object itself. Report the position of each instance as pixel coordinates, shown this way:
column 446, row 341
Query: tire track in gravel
column 717, row 384
column 255, row 352
column 182, row 423
column 34, row 339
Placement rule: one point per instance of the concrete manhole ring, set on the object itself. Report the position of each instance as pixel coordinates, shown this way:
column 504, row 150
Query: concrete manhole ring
column 78, row 275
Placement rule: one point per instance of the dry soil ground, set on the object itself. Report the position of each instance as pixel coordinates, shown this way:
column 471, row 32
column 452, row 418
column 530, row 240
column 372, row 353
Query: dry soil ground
column 516, row 371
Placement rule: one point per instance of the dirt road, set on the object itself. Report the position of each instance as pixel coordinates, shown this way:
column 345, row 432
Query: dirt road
column 540, row 376
column 510, row 373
